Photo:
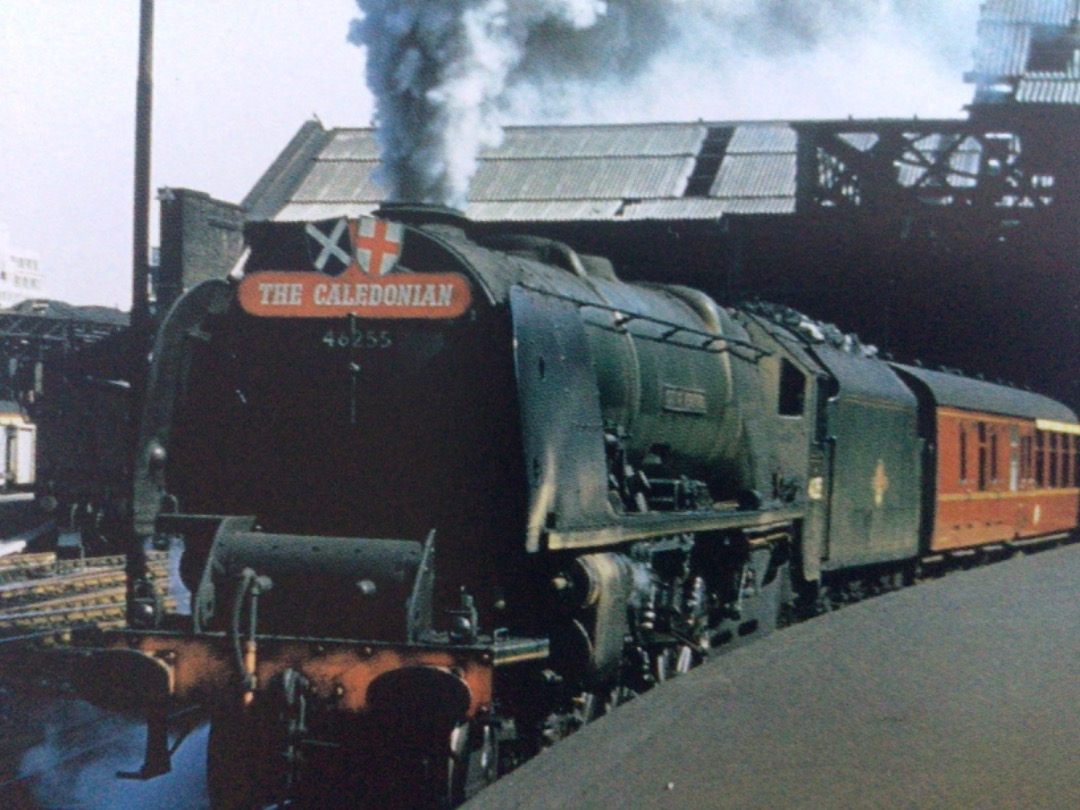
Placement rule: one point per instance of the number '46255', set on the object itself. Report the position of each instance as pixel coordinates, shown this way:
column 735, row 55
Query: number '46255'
column 360, row 339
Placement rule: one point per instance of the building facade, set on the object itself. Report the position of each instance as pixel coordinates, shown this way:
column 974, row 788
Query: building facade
column 20, row 273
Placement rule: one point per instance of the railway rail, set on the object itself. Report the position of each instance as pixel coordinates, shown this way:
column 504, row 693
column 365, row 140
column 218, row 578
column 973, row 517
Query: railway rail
column 45, row 599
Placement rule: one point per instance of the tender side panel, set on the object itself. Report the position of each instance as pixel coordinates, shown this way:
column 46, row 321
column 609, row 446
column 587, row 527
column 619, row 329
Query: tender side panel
column 1001, row 478
column 874, row 485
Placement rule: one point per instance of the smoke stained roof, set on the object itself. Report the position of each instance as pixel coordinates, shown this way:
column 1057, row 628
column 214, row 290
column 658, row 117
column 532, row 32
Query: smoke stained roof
column 555, row 173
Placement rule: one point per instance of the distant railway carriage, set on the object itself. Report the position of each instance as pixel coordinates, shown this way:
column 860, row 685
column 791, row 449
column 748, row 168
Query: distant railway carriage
column 18, row 447
column 442, row 502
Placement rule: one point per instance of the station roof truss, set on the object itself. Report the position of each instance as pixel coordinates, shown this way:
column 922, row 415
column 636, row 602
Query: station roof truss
column 684, row 171
column 55, row 323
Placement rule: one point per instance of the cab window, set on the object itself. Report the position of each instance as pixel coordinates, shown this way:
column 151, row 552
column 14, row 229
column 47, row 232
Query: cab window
column 792, row 389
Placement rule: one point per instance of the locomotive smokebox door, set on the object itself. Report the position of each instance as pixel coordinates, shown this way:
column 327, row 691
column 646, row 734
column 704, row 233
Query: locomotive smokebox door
column 562, row 427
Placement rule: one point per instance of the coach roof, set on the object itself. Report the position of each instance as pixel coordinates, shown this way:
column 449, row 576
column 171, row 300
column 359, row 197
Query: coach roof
column 956, row 391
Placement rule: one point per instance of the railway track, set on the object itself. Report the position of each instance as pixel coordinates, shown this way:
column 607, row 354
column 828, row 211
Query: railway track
column 48, row 605
column 45, row 599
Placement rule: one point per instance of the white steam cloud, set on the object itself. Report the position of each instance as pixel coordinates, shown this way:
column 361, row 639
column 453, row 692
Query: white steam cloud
column 445, row 73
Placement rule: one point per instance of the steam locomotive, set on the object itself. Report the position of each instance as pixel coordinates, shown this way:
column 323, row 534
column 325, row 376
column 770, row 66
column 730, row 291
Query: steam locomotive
column 442, row 501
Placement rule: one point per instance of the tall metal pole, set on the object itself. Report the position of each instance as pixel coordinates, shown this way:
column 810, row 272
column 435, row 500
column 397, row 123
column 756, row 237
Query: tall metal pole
column 139, row 333
column 140, row 277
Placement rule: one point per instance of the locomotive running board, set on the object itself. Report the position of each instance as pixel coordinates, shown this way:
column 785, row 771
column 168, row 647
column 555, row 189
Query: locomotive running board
column 658, row 524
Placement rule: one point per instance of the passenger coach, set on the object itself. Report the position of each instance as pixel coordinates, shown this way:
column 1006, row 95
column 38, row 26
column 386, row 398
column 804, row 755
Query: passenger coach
column 1004, row 463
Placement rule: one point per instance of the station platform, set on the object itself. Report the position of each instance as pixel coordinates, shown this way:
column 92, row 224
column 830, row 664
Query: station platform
column 958, row 693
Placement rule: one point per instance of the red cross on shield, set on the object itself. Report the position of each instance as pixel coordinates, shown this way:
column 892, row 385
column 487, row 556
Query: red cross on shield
column 378, row 245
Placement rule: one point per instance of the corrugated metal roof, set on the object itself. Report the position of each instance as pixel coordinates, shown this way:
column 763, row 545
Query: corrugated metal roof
column 1009, row 29
column 706, row 208
column 331, row 180
column 629, row 140
column 682, row 208
column 1044, row 12
column 560, row 173
column 760, row 205
column 672, row 209
column 543, row 210
column 759, row 138
column 626, row 171
column 581, row 178
column 352, row 144
column 770, row 175
column 61, row 311
column 1001, row 50
column 1048, row 91
column 314, row 211
column 514, row 183
column 275, row 189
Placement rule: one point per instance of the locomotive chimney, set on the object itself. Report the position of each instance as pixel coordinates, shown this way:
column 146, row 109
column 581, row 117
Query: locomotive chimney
column 425, row 215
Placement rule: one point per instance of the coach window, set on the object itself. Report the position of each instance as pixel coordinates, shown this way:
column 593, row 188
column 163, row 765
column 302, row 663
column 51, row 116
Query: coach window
column 1063, row 446
column 983, row 466
column 1026, row 452
column 1054, row 461
column 792, row 389
column 994, row 466
column 1063, row 460
column 963, row 454
column 1014, row 459
column 1040, row 458
column 1065, row 440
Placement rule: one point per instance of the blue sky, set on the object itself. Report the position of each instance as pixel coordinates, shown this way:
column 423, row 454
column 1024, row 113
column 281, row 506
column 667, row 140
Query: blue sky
column 235, row 79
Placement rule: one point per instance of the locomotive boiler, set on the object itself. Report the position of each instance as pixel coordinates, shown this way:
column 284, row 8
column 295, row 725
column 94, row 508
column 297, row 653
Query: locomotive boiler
column 442, row 501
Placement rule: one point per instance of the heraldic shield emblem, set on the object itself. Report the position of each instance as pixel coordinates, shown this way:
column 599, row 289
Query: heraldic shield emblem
column 378, row 245
column 329, row 246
